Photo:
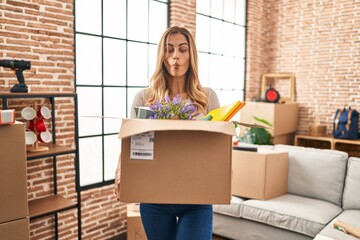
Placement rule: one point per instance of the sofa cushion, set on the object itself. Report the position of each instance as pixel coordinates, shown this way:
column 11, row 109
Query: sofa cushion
column 351, row 197
column 233, row 209
column 316, row 173
column 295, row 213
column 351, row 217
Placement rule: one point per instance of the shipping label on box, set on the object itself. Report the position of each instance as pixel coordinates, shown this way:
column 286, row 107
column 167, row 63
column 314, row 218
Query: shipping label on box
column 142, row 146
column 259, row 175
column 191, row 162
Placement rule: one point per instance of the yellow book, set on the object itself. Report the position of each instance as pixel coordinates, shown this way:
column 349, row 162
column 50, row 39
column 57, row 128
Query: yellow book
column 225, row 113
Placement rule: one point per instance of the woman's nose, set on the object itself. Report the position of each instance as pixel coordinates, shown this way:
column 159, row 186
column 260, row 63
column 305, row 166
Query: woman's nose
column 175, row 55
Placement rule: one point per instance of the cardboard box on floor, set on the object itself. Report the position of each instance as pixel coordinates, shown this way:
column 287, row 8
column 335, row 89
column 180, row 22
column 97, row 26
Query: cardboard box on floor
column 13, row 181
column 135, row 228
column 176, row 161
column 15, row 230
column 282, row 116
column 259, row 175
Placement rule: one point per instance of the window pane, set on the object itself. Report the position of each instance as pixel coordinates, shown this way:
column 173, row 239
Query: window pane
column 216, row 76
column 228, row 73
column 88, row 60
column 137, row 64
column 88, row 16
column 114, row 106
column 240, row 14
column 90, row 152
column 152, row 59
column 131, row 94
column 138, row 20
column 217, row 8
column 204, row 69
column 203, row 6
column 229, row 40
column 157, row 21
column 112, row 146
column 115, row 18
column 89, row 104
column 239, row 47
column 229, row 10
column 216, row 36
column 114, row 62
column 202, row 33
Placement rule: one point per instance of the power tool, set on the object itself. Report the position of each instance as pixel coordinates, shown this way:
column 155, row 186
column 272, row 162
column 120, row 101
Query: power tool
column 18, row 66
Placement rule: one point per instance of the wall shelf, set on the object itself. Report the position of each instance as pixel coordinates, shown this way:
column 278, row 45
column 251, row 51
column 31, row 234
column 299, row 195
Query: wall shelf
column 54, row 150
column 328, row 142
column 55, row 203
column 49, row 205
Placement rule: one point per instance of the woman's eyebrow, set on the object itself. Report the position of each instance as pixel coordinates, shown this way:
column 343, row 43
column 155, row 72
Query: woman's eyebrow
column 181, row 44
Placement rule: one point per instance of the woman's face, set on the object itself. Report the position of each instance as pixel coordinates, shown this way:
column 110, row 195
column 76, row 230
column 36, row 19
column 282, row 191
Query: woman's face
column 177, row 57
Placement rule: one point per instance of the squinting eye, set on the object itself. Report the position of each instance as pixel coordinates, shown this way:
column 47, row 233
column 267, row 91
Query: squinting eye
column 169, row 50
column 183, row 50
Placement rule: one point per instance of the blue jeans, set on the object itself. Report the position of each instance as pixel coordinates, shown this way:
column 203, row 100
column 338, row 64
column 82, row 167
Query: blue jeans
column 177, row 221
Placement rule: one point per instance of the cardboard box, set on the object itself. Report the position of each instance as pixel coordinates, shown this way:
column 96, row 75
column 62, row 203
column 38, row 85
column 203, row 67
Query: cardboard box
column 176, row 161
column 15, row 230
column 259, row 175
column 13, row 181
column 135, row 228
column 283, row 117
column 284, row 139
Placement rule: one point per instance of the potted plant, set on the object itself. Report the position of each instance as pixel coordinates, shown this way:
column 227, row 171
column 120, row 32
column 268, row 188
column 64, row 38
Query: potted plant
column 258, row 135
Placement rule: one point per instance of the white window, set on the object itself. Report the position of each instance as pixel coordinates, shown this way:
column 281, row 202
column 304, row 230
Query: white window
column 115, row 44
column 220, row 39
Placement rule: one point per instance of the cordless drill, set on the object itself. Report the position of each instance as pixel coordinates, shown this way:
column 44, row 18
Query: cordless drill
column 18, row 66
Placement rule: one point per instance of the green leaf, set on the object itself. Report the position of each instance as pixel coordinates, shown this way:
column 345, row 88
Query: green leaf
column 262, row 121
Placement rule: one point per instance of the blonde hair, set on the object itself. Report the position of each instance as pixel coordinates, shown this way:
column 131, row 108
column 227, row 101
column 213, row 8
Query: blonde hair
column 159, row 85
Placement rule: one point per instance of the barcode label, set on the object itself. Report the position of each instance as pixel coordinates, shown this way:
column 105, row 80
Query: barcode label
column 142, row 146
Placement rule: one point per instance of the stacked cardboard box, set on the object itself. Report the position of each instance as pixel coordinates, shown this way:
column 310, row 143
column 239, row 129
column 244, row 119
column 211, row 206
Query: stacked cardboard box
column 135, row 228
column 14, row 221
column 282, row 116
column 176, row 161
column 259, row 175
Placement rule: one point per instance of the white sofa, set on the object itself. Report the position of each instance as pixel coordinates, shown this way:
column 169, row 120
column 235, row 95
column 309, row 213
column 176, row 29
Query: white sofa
column 322, row 185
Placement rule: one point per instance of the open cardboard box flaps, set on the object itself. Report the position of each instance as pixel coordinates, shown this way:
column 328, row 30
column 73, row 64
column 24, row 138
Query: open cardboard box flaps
column 131, row 127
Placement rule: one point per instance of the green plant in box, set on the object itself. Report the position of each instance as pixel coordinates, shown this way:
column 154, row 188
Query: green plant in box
column 258, row 135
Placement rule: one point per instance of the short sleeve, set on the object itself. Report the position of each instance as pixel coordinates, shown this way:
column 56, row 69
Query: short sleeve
column 138, row 101
column 213, row 100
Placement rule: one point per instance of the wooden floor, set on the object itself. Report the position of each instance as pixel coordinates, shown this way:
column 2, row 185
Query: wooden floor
column 219, row 238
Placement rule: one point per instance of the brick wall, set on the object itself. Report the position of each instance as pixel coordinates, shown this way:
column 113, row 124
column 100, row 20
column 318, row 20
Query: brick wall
column 183, row 13
column 317, row 40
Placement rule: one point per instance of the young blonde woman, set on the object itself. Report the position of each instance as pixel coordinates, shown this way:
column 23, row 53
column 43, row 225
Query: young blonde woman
column 176, row 74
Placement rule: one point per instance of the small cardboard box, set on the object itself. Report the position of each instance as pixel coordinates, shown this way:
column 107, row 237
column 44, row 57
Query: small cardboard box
column 176, row 161
column 15, row 230
column 135, row 228
column 259, row 175
column 282, row 116
column 13, row 181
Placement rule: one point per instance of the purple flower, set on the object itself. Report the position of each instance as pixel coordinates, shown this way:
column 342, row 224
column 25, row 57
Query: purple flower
column 175, row 108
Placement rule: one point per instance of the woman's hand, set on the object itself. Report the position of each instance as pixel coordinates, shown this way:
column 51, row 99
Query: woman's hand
column 117, row 179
